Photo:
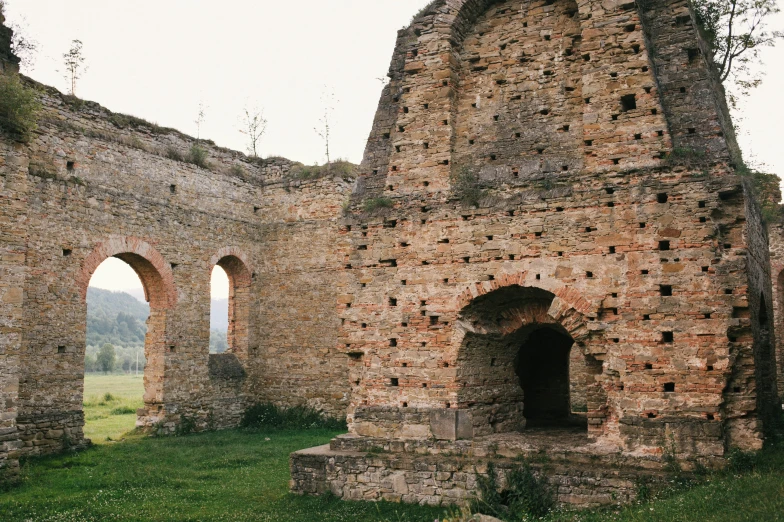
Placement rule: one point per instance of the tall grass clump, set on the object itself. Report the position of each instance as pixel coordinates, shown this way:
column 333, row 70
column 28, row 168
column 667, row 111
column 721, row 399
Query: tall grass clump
column 373, row 204
column 19, row 109
column 269, row 416
column 525, row 495
column 466, row 187
column 198, row 156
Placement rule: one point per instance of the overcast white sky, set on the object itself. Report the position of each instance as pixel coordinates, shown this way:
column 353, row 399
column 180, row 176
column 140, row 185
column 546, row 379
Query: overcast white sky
column 158, row 59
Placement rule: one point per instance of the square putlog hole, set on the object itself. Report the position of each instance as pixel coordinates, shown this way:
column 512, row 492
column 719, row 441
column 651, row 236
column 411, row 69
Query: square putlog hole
column 629, row 102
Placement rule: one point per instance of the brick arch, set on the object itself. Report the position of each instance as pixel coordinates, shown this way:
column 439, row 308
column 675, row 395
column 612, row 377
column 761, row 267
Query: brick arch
column 234, row 262
column 549, row 303
column 568, row 308
column 159, row 290
column 154, row 272
column 233, row 252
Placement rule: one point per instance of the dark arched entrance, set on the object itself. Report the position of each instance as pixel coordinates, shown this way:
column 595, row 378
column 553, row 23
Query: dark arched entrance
column 516, row 365
column 542, row 365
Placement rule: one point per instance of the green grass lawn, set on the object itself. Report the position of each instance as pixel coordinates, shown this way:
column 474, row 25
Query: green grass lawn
column 107, row 418
column 231, row 475
column 244, row 475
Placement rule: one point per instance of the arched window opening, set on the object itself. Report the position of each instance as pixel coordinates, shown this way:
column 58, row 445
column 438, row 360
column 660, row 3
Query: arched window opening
column 237, row 285
column 219, row 310
column 114, row 362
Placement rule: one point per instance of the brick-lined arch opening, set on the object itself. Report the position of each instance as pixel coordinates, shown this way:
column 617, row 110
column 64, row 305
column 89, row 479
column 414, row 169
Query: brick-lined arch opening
column 240, row 279
column 515, row 364
column 158, row 282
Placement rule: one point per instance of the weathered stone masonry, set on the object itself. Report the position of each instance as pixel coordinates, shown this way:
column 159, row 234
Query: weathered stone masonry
column 12, row 276
column 548, row 250
column 92, row 185
column 605, row 254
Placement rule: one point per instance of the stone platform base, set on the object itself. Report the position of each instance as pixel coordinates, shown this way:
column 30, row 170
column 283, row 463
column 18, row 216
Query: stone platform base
column 444, row 472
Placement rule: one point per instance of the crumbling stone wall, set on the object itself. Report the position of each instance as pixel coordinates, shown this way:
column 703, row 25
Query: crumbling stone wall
column 578, row 151
column 776, row 240
column 92, row 185
column 12, row 276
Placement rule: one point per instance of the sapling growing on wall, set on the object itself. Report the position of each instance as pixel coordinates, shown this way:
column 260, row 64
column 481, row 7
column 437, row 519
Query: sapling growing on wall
column 253, row 125
column 324, row 128
column 201, row 116
column 74, row 65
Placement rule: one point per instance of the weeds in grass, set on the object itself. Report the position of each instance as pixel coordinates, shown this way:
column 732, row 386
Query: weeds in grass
column 186, row 426
column 123, row 410
column 525, row 494
column 741, row 461
column 670, row 457
column 19, row 108
column 269, row 416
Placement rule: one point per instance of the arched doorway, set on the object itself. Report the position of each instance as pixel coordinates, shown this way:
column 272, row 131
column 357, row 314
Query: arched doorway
column 157, row 281
column 517, row 366
column 114, row 358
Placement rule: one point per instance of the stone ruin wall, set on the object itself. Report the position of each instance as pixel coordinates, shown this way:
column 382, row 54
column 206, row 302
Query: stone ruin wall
column 598, row 148
column 571, row 173
column 92, row 185
column 538, row 114
column 776, row 232
column 12, row 276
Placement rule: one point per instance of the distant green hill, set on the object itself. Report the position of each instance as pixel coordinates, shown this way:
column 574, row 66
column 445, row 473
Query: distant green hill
column 116, row 318
column 120, row 319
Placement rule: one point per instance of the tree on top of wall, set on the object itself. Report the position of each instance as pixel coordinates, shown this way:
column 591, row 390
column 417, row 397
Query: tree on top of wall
column 201, row 116
column 74, row 64
column 253, row 125
column 737, row 31
column 324, row 128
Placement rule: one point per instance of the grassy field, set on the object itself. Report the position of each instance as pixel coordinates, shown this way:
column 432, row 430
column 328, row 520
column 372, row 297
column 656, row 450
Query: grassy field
column 110, row 404
column 232, row 475
column 243, row 475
